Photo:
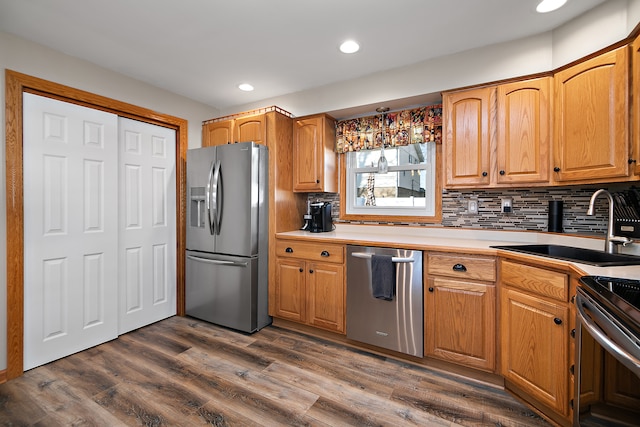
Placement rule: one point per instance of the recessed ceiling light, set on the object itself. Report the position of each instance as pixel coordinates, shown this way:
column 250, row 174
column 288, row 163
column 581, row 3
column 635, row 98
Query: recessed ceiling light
column 349, row 46
column 549, row 5
column 245, row 87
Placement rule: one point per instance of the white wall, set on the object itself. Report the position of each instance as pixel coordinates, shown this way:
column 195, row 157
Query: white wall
column 604, row 25
column 25, row 57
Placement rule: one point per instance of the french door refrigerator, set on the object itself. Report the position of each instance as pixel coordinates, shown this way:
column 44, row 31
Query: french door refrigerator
column 226, row 270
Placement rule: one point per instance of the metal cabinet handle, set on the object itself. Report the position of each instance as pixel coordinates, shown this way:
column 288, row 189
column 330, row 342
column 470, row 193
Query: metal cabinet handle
column 460, row 268
column 430, row 289
column 557, row 321
column 365, row 255
column 289, row 250
column 502, row 172
column 311, row 271
column 556, row 169
column 324, row 253
column 484, row 174
column 301, row 270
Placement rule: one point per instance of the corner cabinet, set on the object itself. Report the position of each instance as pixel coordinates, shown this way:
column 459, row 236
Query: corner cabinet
column 524, row 132
column 460, row 306
column 534, row 335
column 592, row 120
column 309, row 284
column 314, row 157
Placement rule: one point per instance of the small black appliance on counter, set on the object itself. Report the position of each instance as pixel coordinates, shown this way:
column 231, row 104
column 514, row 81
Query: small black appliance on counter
column 321, row 217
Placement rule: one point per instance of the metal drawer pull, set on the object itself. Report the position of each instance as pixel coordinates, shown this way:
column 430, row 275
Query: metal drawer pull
column 217, row 261
column 324, row 253
column 460, row 268
column 289, row 250
column 365, row 255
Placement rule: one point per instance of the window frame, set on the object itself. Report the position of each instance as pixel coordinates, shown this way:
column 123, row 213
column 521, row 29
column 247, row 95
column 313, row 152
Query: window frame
column 390, row 215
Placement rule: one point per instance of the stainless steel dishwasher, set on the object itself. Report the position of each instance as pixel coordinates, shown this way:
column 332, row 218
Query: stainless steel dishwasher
column 395, row 324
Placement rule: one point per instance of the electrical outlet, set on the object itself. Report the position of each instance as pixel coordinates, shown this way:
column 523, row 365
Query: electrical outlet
column 507, row 206
column 472, row 207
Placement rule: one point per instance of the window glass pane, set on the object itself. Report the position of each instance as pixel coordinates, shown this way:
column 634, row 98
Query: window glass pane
column 400, row 189
column 396, row 156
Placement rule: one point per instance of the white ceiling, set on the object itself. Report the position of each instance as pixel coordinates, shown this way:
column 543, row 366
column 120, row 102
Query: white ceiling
column 203, row 49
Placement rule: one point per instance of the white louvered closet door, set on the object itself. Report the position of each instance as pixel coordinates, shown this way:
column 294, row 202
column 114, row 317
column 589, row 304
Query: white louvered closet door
column 147, row 235
column 70, row 228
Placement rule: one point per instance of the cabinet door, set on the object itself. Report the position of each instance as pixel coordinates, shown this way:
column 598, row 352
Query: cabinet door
column 524, row 131
column 325, row 298
column 290, row 289
column 252, row 128
column 591, row 119
column 314, row 158
column 460, row 322
column 635, row 157
column 217, row 133
column 467, row 137
column 534, row 347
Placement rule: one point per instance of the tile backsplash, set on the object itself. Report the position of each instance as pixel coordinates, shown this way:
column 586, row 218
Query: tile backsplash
column 530, row 209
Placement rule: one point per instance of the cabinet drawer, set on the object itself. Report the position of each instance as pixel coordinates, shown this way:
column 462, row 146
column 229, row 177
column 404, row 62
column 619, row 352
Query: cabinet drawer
column 462, row 266
column 309, row 251
column 534, row 279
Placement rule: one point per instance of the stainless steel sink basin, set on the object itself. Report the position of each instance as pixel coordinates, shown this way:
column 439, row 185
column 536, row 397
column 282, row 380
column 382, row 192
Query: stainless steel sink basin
column 584, row 256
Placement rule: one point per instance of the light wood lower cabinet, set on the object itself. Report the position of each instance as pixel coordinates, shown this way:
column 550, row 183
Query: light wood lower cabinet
column 460, row 310
column 309, row 284
column 534, row 333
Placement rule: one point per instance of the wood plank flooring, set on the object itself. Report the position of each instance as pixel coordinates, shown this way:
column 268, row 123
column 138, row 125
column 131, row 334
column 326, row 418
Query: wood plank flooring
column 185, row 372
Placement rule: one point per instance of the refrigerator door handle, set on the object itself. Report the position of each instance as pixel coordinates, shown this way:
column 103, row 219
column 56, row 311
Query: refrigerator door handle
column 208, row 201
column 218, row 262
column 216, row 198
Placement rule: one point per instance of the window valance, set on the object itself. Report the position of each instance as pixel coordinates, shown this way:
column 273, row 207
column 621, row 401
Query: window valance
column 415, row 126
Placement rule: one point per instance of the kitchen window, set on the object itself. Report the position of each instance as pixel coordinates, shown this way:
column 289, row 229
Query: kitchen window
column 408, row 189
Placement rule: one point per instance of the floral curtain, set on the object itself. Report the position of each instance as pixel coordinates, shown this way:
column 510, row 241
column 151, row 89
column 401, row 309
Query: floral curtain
column 415, row 126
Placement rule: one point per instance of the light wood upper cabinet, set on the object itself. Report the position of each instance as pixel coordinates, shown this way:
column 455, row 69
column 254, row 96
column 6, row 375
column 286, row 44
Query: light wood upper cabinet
column 242, row 129
column 524, row 131
column 635, row 58
column 314, row 157
column 217, row 133
column 467, row 131
column 250, row 128
column 591, row 120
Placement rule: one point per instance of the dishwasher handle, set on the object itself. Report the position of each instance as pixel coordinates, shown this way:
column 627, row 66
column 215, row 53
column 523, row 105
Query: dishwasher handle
column 365, row 255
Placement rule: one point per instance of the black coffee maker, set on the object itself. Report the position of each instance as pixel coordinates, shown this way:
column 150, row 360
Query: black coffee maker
column 321, row 217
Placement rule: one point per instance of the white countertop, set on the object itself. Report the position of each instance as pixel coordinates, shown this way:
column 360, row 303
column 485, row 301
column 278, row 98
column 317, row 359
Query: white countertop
column 442, row 238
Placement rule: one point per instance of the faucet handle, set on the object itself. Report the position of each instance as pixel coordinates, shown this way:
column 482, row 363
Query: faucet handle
column 624, row 241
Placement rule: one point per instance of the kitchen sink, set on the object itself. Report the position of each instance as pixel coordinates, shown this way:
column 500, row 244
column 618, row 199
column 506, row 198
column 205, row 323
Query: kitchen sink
column 580, row 255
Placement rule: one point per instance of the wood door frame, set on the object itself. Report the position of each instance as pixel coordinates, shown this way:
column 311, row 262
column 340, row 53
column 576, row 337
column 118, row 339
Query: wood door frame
column 15, row 85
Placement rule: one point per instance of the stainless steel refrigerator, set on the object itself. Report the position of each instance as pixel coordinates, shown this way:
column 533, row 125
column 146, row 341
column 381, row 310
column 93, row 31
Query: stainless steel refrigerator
column 227, row 235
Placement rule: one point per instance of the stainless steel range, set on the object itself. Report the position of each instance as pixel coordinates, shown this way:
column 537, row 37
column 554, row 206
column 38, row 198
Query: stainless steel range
column 607, row 370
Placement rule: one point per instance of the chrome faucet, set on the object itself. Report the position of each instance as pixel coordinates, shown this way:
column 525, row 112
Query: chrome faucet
column 611, row 241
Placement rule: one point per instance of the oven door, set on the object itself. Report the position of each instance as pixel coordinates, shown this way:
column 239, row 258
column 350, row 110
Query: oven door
column 607, row 361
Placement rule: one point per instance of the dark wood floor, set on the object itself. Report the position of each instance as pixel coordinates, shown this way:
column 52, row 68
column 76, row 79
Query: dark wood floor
column 182, row 371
